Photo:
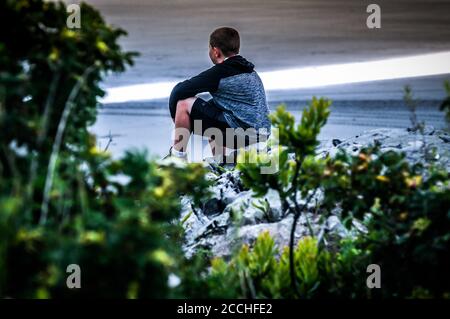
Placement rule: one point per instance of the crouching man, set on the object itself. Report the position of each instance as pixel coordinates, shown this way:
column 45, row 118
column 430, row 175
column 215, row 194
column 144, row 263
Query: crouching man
column 236, row 116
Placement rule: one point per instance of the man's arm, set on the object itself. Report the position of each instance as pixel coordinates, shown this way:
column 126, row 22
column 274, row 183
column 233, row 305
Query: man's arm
column 207, row 81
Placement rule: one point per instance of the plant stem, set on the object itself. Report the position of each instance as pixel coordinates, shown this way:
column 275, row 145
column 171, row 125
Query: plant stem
column 57, row 144
column 297, row 214
column 42, row 132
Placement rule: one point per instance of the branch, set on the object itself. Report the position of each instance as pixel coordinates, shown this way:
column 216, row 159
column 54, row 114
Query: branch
column 43, row 131
column 110, row 139
column 58, row 140
column 294, row 185
column 297, row 214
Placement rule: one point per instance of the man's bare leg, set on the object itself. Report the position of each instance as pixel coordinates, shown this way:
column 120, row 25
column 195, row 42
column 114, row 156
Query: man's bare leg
column 183, row 124
column 183, row 129
column 216, row 150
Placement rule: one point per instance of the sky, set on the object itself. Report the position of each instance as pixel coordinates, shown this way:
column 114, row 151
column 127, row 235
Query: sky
column 172, row 35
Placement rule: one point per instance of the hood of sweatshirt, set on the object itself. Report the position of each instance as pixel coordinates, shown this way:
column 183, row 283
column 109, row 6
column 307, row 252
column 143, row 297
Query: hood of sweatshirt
column 240, row 63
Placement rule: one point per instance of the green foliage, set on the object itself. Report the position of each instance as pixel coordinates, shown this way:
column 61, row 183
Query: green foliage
column 406, row 211
column 262, row 272
column 63, row 201
column 39, row 72
column 403, row 212
column 357, row 181
column 119, row 239
column 114, row 218
column 300, row 139
column 295, row 175
column 50, row 72
column 250, row 164
column 411, row 103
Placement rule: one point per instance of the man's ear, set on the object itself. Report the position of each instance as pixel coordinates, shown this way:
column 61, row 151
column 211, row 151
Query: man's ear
column 217, row 52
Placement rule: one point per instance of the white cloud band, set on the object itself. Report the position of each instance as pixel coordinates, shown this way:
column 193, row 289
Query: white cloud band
column 310, row 77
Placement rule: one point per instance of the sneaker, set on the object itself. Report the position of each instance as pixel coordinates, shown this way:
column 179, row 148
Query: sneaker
column 171, row 155
column 227, row 161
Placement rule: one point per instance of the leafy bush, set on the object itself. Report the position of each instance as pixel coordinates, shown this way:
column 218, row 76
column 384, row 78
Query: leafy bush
column 120, row 239
column 263, row 272
column 403, row 212
column 294, row 176
column 62, row 200
column 406, row 211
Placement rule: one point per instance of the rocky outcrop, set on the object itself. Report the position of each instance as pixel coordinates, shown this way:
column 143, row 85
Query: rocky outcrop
column 432, row 146
column 234, row 216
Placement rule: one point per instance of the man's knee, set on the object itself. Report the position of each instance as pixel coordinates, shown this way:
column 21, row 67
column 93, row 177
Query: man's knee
column 186, row 104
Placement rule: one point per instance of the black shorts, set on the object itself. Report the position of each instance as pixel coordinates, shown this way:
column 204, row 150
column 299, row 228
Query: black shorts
column 212, row 117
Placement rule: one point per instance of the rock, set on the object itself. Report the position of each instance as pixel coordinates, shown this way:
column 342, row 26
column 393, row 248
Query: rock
column 416, row 146
column 243, row 212
column 280, row 232
column 429, row 130
column 226, row 189
column 333, row 224
column 249, row 210
column 446, row 139
column 274, row 201
column 213, row 206
column 336, row 142
column 234, row 216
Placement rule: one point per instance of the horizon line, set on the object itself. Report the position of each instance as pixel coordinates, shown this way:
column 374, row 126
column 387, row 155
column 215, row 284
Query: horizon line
column 308, row 77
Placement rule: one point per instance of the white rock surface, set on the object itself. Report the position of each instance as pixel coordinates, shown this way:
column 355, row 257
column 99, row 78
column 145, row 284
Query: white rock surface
column 234, row 216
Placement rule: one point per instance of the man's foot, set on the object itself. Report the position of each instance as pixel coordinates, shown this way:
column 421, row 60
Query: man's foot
column 223, row 160
column 176, row 154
